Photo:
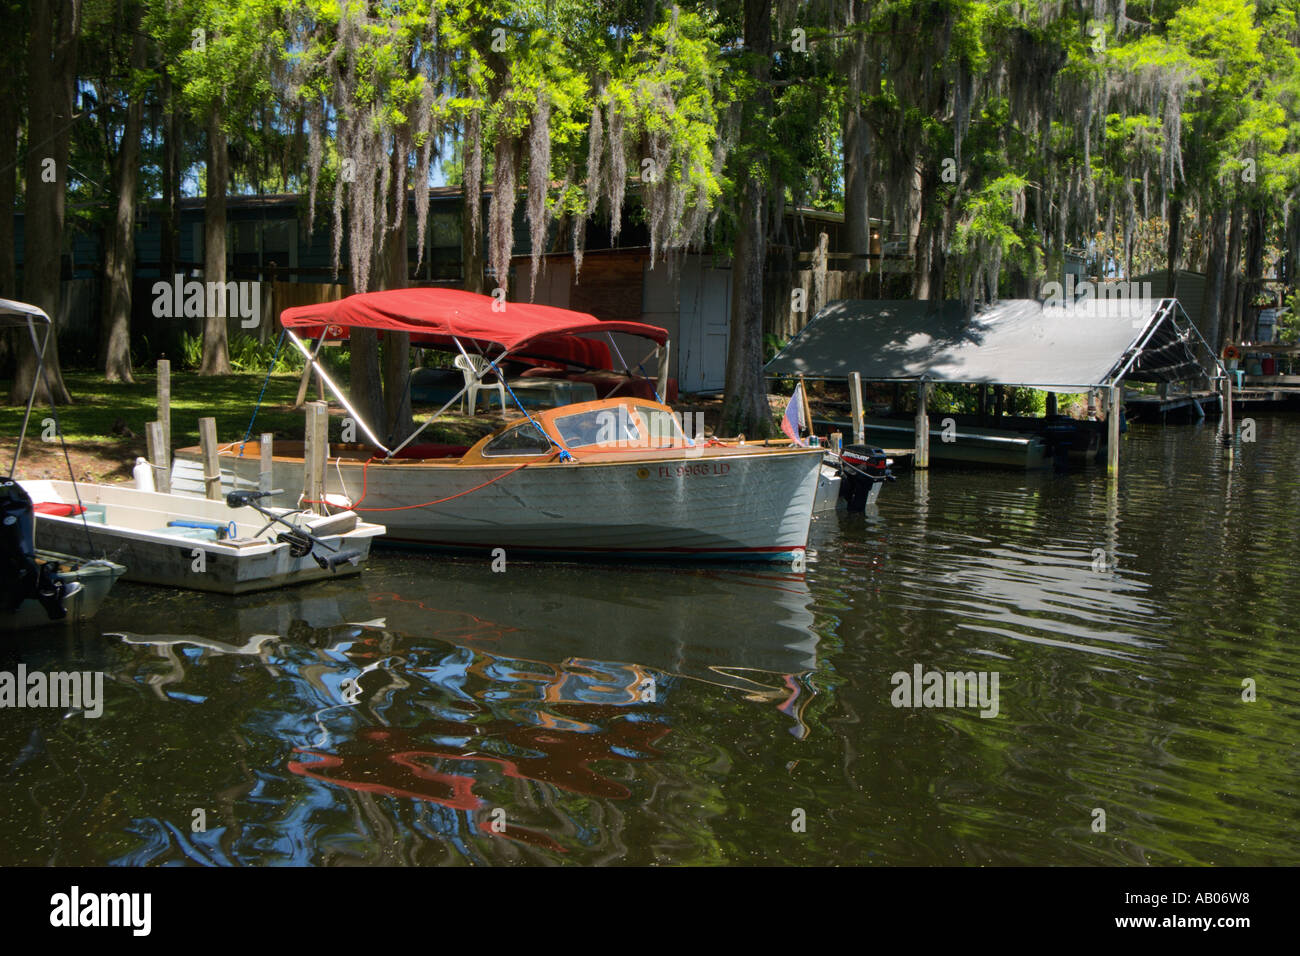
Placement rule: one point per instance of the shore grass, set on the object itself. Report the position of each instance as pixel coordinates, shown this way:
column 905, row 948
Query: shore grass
column 107, row 420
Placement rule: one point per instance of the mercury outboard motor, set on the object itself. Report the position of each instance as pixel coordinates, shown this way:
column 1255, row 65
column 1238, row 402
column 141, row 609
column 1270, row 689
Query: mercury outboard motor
column 863, row 470
column 21, row 577
column 1061, row 434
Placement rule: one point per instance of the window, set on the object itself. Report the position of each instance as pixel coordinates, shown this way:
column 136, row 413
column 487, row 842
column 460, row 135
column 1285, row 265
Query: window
column 523, row 439
column 664, row 428
column 605, row 426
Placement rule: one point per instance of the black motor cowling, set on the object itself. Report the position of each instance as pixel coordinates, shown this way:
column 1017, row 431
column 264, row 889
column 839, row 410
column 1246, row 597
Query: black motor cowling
column 862, row 468
column 21, row 576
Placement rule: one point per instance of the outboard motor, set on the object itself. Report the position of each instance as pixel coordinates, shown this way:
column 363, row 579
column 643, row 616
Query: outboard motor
column 863, row 470
column 1061, row 435
column 21, row 577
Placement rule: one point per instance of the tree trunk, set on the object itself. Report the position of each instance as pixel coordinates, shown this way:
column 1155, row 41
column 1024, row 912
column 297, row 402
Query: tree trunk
column 745, row 409
column 216, row 353
column 1231, row 276
column 1175, row 243
column 11, row 98
column 51, row 73
column 1291, row 257
column 857, row 215
column 1254, row 270
column 397, row 345
column 119, row 251
column 1211, row 305
column 169, row 240
column 471, row 233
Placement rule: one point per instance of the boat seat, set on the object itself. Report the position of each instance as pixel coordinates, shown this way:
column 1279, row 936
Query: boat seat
column 94, row 513
column 432, row 450
column 608, row 384
column 58, row 509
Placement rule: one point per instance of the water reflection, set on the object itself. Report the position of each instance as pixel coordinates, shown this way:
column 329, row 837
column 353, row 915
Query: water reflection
column 661, row 715
column 535, row 703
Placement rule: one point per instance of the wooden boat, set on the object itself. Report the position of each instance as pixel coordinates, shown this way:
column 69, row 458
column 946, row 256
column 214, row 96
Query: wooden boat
column 184, row 542
column 646, row 493
column 87, row 581
column 613, row 477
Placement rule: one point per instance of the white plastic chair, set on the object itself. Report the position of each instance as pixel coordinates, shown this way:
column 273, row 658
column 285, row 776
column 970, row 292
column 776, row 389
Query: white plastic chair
column 471, row 368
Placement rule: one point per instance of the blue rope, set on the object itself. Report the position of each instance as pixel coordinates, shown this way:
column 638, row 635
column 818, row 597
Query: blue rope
column 646, row 375
column 564, row 452
column 266, row 381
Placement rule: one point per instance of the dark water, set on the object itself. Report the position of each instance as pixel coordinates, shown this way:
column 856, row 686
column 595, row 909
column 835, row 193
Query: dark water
column 666, row 715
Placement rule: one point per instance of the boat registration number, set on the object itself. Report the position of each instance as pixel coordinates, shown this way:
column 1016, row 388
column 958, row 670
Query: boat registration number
column 699, row 469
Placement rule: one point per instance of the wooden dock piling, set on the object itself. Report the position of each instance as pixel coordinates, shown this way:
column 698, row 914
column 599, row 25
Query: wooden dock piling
column 211, row 461
column 1226, row 431
column 922, row 457
column 266, row 450
column 162, row 479
column 855, row 404
column 1114, row 408
column 165, row 408
column 315, row 453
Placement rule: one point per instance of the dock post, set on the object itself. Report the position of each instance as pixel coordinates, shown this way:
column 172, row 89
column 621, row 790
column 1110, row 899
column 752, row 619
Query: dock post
column 165, row 408
column 1113, row 411
column 211, row 462
column 315, row 450
column 266, row 448
column 1051, row 405
column 1225, row 420
column 922, row 459
column 855, row 404
column 162, row 479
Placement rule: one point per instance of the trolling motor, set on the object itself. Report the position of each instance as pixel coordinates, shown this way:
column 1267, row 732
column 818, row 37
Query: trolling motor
column 301, row 543
column 863, row 470
column 22, row 577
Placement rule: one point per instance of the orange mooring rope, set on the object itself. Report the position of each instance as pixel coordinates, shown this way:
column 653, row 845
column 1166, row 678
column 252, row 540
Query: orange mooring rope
column 365, row 470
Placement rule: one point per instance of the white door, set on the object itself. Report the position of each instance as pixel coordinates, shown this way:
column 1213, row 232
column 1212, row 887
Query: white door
column 706, row 322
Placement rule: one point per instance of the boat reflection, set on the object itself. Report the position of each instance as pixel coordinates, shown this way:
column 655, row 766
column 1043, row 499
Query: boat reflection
column 459, row 700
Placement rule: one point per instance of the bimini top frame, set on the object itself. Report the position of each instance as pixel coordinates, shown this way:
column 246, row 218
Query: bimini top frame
column 452, row 319
column 17, row 315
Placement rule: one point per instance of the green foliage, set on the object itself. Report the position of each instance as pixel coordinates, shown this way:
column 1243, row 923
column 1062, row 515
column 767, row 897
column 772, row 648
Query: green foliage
column 247, row 354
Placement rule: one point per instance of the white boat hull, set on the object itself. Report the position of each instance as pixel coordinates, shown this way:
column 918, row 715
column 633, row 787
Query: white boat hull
column 129, row 537
column 744, row 504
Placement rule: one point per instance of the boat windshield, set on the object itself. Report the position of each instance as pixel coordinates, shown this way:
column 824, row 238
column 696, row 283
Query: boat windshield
column 603, row 426
column 523, row 439
column 664, row 428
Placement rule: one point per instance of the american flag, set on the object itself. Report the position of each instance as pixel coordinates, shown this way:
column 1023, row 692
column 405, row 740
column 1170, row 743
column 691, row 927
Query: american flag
column 792, row 420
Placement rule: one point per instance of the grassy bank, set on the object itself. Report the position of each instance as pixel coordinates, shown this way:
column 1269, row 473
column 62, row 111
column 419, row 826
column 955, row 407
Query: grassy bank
column 105, row 426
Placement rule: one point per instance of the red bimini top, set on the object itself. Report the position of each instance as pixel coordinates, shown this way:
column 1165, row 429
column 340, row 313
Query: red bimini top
column 433, row 317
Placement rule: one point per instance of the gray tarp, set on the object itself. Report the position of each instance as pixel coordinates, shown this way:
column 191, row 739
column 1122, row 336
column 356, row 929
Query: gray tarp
column 1017, row 342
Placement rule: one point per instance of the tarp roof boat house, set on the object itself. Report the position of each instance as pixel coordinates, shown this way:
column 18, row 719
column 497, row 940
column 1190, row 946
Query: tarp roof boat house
column 1095, row 343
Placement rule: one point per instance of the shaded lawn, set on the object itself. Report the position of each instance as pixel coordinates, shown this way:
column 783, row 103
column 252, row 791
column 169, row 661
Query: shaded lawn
column 104, row 412
column 105, row 426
